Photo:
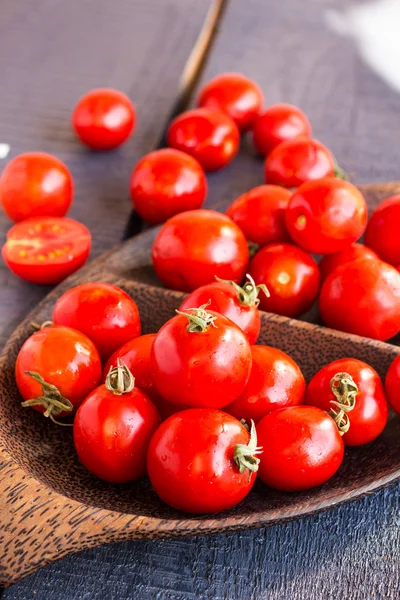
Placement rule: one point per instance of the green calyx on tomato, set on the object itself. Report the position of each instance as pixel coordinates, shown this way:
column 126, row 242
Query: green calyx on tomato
column 51, row 399
column 245, row 455
column 248, row 294
column 119, row 379
column 345, row 391
column 199, row 320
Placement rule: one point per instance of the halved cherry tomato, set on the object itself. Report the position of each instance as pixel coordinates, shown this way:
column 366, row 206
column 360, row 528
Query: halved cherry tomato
column 103, row 312
column 208, row 135
column 136, row 355
column 276, row 381
column 46, row 249
column 200, row 359
column 392, row 385
column 293, row 162
column 195, row 246
column 35, row 184
column 327, row 215
column 331, row 388
column 382, row 233
column 113, row 428
column 239, row 304
column 279, row 123
column 362, row 297
column 104, row 118
column 349, row 254
column 165, row 183
column 260, row 214
column 291, row 276
column 56, row 368
column 199, row 459
column 236, row 95
column 302, row 448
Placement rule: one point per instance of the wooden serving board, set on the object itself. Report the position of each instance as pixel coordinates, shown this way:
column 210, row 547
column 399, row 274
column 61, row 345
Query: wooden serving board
column 51, row 506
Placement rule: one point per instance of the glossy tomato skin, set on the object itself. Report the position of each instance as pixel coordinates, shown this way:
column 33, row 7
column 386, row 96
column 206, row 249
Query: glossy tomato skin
column 302, row 448
column 104, row 118
column 136, row 355
column 392, row 385
column 194, row 247
column 225, row 301
column 279, row 123
column 46, row 249
column 236, row 95
column 103, row 312
column 201, row 369
column 293, row 162
column 190, row 461
column 260, row 214
column 35, row 184
column 369, row 416
column 63, row 357
column 165, row 183
column 208, row 135
column 349, row 254
column 326, row 216
column 362, row 297
column 291, row 276
column 112, row 433
column 382, row 233
column 275, row 381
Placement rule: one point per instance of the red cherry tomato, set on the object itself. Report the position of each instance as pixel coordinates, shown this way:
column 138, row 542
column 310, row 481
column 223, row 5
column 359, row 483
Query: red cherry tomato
column 194, row 457
column 103, row 312
column 167, row 182
column 240, row 305
column 200, row 359
column 362, row 297
column 382, row 233
column 46, row 249
column 60, row 357
column 194, row 247
column 136, row 355
column 276, row 381
column 35, row 184
column 279, row 123
column 349, row 254
column 113, row 428
column 208, row 135
column 236, row 95
column 260, row 214
column 369, row 415
column 302, row 448
column 291, row 276
column 392, row 385
column 293, row 162
column 104, row 118
column 326, row 216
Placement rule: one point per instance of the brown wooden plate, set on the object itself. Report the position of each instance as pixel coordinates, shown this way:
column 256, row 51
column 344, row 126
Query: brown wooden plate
column 51, row 506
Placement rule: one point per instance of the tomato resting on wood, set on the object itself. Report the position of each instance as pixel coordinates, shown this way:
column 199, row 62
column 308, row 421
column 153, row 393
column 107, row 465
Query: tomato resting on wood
column 165, row 183
column 331, row 389
column 113, row 428
column 349, row 254
column 200, row 359
column 56, row 368
column 392, row 385
column 279, row 123
column 195, row 246
column 35, row 184
column 202, row 461
column 46, row 249
column 275, row 381
column 382, row 233
column 302, row 448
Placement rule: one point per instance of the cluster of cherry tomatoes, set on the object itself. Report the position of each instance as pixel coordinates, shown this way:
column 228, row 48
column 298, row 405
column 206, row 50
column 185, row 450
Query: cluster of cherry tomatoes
column 198, row 406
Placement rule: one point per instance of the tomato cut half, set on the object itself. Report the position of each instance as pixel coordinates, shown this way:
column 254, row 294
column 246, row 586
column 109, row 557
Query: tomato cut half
column 46, row 249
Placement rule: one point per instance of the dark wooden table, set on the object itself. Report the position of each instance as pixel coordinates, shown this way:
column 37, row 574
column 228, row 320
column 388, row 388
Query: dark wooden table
column 50, row 53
